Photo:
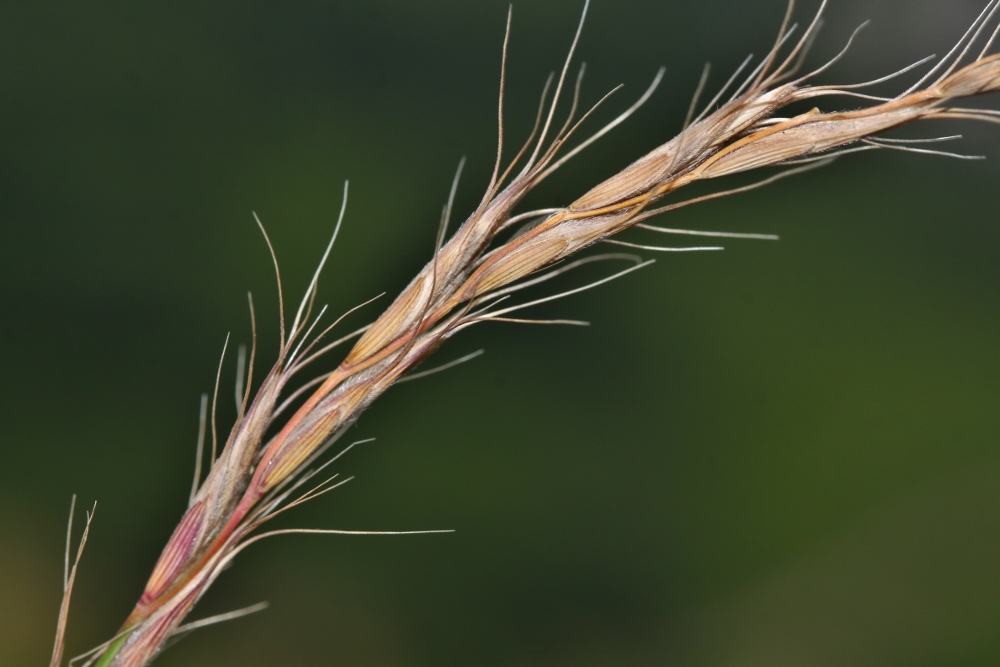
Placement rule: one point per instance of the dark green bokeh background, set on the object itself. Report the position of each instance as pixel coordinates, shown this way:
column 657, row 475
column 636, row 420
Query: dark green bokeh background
column 783, row 454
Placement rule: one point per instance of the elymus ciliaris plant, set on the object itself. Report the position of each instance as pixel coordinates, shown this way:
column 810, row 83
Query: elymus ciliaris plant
column 274, row 453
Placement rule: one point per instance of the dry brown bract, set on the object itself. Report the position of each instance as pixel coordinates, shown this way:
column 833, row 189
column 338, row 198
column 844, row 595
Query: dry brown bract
column 469, row 275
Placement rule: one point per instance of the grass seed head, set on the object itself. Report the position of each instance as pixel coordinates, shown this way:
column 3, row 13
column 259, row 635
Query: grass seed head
column 255, row 478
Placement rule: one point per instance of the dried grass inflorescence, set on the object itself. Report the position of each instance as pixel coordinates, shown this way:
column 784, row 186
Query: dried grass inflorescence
column 254, row 478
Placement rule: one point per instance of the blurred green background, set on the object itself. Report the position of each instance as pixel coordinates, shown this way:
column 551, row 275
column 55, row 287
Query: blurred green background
column 781, row 454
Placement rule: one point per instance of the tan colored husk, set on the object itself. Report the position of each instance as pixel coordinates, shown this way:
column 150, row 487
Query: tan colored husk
column 467, row 274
